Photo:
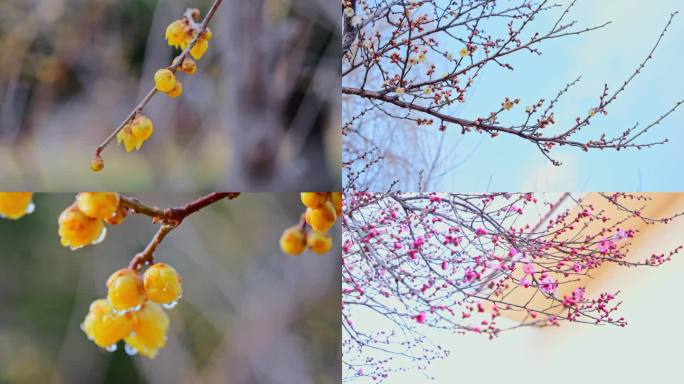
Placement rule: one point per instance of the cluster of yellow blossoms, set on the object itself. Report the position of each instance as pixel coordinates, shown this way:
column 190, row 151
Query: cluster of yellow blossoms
column 179, row 34
column 14, row 205
column 322, row 210
column 135, row 132
column 133, row 310
column 83, row 222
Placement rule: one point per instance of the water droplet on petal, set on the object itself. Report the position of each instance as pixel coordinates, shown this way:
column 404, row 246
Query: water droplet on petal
column 111, row 348
column 100, row 239
column 31, row 207
column 170, row 305
column 131, row 351
column 125, row 311
column 76, row 248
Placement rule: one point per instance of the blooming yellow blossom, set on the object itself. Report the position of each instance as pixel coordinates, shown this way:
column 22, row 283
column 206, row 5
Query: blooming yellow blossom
column 104, row 326
column 14, row 205
column 134, row 134
column 150, row 325
column 77, row 230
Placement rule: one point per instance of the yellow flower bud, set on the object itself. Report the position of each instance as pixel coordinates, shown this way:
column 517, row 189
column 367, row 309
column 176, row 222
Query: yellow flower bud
column 199, row 48
column 321, row 219
column 77, row 230
column 314, row 199
column 99, row 205
column 142, row 127
column 176, row 91
column 104, row 326
column 164, row 80
column 162, row 284
column 293, row 240
column 319, row 242
column 150, row 325
column 97, row 164
column 14, row 205
column 175, row 33
column 125, row 290
column 118, row 217
column 336, row 200
column 189, row 66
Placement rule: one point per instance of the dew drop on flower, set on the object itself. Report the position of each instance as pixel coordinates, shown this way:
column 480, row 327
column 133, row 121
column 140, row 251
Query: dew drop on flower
column 31, row 207
column 170, row 305
column 131, row 351
column 100, row 239
column 111, row 348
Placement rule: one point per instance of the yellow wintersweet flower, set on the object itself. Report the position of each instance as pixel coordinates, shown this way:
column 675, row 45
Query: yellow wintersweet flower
column 150, row 324
column 162, row 283
column 104, row 326
column 293, row 240
column 77, row 230
column 14, row 205
column 319, row 242
column 314, row 199
column 99, row 205
column 175, row 33
column 336, row 200
column 125, row 290
column 134, row 134
column 164, row 80
column 199, row 48
column 176, row 91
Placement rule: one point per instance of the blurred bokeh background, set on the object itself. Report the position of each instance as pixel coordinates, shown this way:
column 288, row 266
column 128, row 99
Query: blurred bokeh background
column 261, row 113
column 249, row 314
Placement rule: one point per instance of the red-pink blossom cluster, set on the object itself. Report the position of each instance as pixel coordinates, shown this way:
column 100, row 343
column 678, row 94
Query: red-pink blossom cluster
column 476, row 263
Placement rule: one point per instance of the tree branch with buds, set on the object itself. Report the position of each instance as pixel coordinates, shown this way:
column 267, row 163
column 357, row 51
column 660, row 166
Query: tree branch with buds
column 462, row 262
column 199, row 29
column 391, row 71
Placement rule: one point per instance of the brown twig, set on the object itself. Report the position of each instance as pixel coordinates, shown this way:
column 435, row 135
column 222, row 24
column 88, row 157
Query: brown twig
column 173, row 67
column 170, row 219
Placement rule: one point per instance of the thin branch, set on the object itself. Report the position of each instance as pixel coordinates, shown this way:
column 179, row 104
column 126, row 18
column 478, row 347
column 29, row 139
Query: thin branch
column 170, row 219
column 174, row 216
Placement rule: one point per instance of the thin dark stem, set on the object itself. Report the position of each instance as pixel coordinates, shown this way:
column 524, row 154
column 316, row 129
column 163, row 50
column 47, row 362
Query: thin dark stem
column 170, row 219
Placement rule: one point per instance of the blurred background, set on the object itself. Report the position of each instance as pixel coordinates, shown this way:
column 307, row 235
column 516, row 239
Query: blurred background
column 249, row 314
column 261, row 113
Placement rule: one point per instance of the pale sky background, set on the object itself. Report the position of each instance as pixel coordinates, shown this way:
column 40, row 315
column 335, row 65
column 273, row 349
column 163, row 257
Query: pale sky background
column 647, row 350
column 607, row 55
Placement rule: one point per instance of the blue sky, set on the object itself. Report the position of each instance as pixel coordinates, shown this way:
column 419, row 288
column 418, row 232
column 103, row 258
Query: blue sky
column 608, row 55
